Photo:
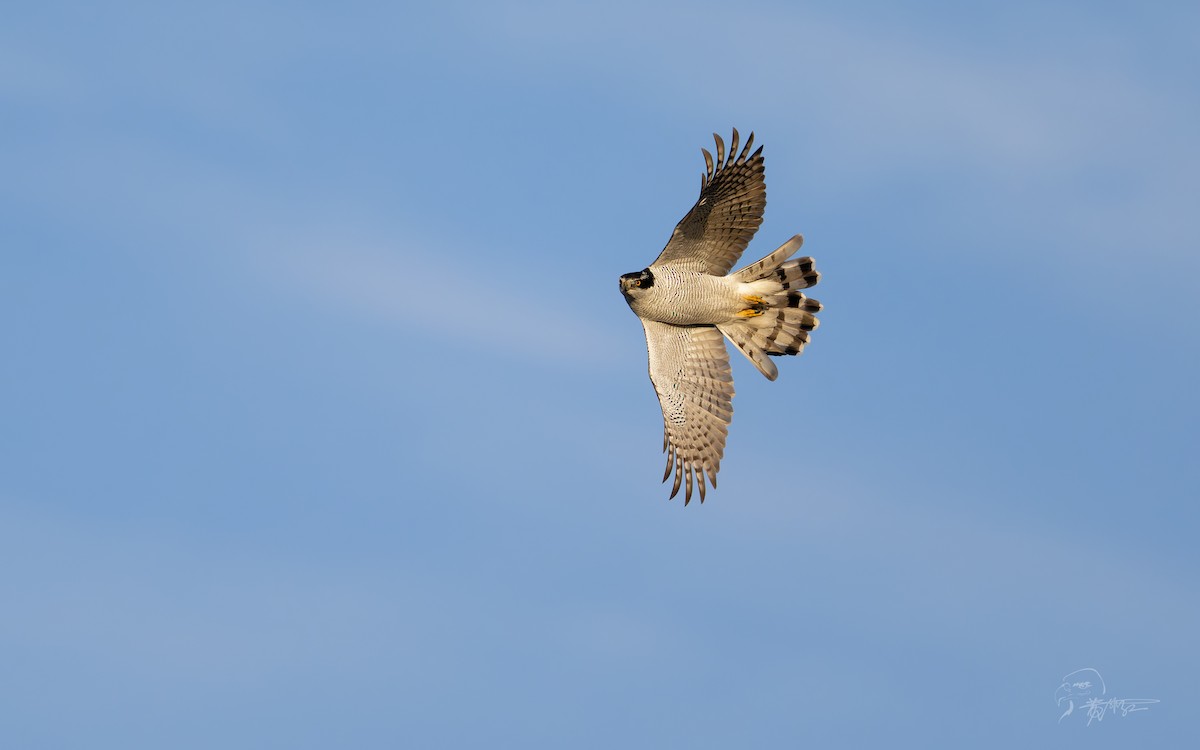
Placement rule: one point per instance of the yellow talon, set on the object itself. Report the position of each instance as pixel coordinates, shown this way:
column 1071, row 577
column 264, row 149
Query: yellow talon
column 755, row 300
column 749, row 313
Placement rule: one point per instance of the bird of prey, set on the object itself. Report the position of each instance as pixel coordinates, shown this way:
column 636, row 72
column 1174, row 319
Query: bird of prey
column 687, row 300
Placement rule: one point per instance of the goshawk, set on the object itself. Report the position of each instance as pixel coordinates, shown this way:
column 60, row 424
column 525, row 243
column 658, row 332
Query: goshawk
column 687, row 300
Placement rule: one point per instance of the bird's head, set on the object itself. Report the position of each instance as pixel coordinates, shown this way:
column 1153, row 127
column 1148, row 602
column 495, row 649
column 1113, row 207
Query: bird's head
column 635, row 284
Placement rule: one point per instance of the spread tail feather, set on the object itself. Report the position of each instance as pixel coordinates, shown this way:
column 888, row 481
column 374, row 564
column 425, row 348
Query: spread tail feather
column 759, row 269
column 778, row 318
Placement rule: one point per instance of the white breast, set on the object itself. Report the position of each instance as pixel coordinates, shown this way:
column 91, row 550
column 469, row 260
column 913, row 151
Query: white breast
column 685, row 297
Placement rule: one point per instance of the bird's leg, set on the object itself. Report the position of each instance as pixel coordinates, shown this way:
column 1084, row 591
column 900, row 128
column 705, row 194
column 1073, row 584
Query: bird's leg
column 757, row 306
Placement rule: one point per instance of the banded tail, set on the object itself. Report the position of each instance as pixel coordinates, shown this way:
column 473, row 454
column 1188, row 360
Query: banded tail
column 778, row 318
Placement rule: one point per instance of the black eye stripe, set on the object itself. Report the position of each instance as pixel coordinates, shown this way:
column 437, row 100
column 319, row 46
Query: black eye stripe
column 638, row 279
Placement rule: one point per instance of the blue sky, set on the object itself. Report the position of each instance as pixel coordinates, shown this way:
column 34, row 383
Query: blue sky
column 325, row 425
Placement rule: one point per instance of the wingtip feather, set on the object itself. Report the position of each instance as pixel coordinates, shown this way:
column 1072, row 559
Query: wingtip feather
column 748, row 146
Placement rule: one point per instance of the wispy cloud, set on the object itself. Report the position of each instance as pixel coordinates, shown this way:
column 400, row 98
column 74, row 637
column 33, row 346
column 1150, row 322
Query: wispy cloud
column 450, row 298
column 906, row 92
column 874, row 101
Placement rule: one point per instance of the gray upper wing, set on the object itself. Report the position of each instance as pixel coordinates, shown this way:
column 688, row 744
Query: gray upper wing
column 689, row 367
column 728, row 213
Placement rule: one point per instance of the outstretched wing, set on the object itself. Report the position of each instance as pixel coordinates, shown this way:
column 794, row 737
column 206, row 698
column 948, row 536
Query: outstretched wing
column 730, row 208
column 690, row 371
